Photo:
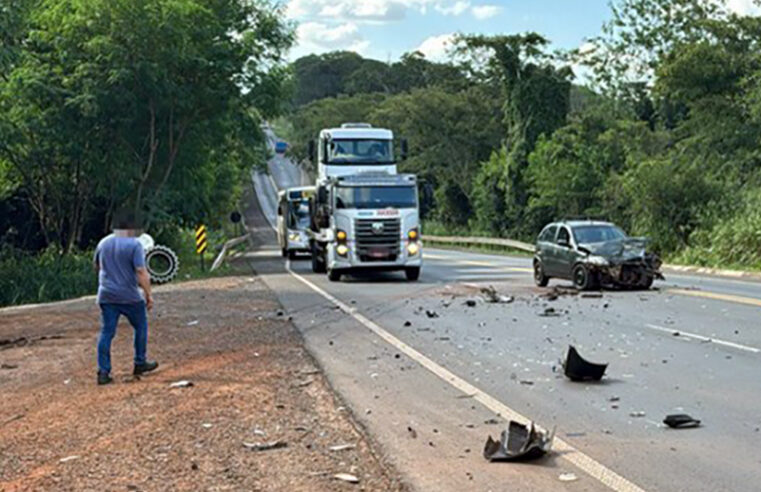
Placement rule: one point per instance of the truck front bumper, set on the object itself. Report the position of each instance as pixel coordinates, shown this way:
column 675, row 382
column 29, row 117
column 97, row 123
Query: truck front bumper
column 353, row 262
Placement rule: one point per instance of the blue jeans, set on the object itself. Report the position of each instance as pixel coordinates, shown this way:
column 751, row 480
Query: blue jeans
column 138, row 318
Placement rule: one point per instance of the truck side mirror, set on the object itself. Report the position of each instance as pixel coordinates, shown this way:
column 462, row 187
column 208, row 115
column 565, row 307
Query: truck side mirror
column 322, row 195
column 312, row 150
column 405, row 149
column 324, row 150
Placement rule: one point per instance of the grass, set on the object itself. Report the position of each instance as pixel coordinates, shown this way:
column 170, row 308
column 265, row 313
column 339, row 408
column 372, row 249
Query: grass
column 49, row 276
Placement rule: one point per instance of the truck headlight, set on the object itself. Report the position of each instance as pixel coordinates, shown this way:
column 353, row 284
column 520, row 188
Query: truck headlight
column 293, row 236
column 341, row 235
column 413, row 234
column 413, row 249
column 342, row 250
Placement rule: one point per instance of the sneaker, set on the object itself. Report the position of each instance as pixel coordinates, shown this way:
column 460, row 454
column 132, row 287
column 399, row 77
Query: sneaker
column 145, row 367
column 104, row 378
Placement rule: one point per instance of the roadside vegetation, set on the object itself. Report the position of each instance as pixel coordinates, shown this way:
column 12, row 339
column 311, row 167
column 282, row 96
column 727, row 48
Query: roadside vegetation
column 655, row 124
column 149, row 105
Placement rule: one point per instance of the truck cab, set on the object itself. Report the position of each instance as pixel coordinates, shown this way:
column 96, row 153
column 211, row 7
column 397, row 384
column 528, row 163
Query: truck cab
column 354, row 148
column 367, row 222
column 293, row 220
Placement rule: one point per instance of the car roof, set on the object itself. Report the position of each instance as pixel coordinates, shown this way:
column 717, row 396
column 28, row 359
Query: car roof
column 580, row 223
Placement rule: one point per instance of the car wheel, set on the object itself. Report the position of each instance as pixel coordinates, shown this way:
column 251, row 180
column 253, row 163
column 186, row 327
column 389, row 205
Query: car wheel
column 412, row 273
column 583, row 279
column 291, row 255
column 540, row 279
column 334, row 275
column 283, row 252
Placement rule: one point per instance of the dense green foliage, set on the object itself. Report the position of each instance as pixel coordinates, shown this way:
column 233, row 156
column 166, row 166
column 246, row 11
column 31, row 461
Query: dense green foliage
column 148, row 105
column 664, row 139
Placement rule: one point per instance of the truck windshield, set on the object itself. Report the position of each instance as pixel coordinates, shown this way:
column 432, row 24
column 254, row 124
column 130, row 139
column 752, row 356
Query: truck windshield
column 597, row 234
column 360, row 151
column 298, row 218
column 365, row 197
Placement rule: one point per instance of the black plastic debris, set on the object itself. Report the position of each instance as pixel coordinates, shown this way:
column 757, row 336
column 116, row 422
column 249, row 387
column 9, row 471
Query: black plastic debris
column 407, row 323
column 681, row 421
column 549, row 312
column 578, row 369
column 431, row 314
column 518, row 443
column 470, row 303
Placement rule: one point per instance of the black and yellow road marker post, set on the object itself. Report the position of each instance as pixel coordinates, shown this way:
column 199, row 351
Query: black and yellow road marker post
column 201, row 243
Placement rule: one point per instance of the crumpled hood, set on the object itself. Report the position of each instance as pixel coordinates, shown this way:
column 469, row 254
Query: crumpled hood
column 619, row 250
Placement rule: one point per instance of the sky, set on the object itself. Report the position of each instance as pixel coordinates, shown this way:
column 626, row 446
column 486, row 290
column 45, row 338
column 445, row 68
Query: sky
column 386, row 29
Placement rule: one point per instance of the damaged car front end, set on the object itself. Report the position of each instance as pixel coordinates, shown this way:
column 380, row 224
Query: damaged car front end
column 622, row 262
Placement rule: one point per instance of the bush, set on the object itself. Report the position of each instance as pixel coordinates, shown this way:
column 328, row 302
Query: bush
column 50, row 276
column 732, row 242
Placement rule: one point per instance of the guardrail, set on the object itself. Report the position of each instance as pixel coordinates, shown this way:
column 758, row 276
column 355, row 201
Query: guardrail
column 227, row 246
column 490, row 241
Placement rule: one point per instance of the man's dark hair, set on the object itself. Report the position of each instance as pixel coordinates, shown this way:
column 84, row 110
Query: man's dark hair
column 126, row 219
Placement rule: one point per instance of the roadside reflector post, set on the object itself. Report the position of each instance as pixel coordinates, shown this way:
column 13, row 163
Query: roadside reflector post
column 201, row 243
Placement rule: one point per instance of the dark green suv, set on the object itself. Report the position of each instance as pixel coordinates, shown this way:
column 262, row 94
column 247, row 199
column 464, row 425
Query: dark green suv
column 592, row 254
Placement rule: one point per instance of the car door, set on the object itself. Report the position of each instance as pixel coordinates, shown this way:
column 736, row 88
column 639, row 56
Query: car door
column 545, row 246
column 564, row 253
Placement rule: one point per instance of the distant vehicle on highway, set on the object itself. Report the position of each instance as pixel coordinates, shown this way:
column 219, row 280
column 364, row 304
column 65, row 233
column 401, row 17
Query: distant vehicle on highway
column 281, row 147
column 293, row 220
column 593, row 253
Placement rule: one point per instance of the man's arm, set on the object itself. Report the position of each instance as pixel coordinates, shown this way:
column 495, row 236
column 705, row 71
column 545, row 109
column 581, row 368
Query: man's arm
column 143, row 277
column 144, row 281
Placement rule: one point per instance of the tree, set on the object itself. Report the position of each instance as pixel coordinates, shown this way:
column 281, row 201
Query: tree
column 111, row 100
column 537, row 102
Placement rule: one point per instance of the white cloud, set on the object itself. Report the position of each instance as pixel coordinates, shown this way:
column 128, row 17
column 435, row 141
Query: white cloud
column 483, row 12
column 457, row 8
column 436, row 48
column 318, row 37
column 744, row 7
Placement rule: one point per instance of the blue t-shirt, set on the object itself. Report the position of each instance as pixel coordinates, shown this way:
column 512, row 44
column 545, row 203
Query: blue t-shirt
column 118, row 259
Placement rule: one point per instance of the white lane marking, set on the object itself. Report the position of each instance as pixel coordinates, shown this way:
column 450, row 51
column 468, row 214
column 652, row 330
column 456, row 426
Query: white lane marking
column 596, row 470
column 701, row 338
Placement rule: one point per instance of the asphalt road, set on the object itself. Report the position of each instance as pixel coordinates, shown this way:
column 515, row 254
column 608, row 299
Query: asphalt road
column 690, row 346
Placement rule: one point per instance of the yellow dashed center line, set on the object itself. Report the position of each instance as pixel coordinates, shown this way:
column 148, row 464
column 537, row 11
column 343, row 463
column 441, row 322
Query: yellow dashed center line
column 750, row 301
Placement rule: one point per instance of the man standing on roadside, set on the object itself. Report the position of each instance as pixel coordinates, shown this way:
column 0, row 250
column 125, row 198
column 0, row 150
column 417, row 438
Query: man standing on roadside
column 120, row 263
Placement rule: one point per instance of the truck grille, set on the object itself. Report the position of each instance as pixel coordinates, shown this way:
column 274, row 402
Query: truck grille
column 376, row 244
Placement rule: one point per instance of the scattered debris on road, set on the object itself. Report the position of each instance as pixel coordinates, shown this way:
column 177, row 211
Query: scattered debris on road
column 265, row 446
column 518, row 443
column 558, row 291
column 407, row 324
column 8, row 366
column 549, row 312
column 637, row 414
column 493, row 297
column 568, row 477
column 69, row 458
column 346, row 477
column 578, row 369
column 342, row 447
column 681, row 421
column 412, row 432
column 181, row 384
column 192, row 323
column 471, row 303
column 591, row 295
column 431, row 314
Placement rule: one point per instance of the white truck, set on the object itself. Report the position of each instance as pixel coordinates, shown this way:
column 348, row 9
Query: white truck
column 364, row 216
